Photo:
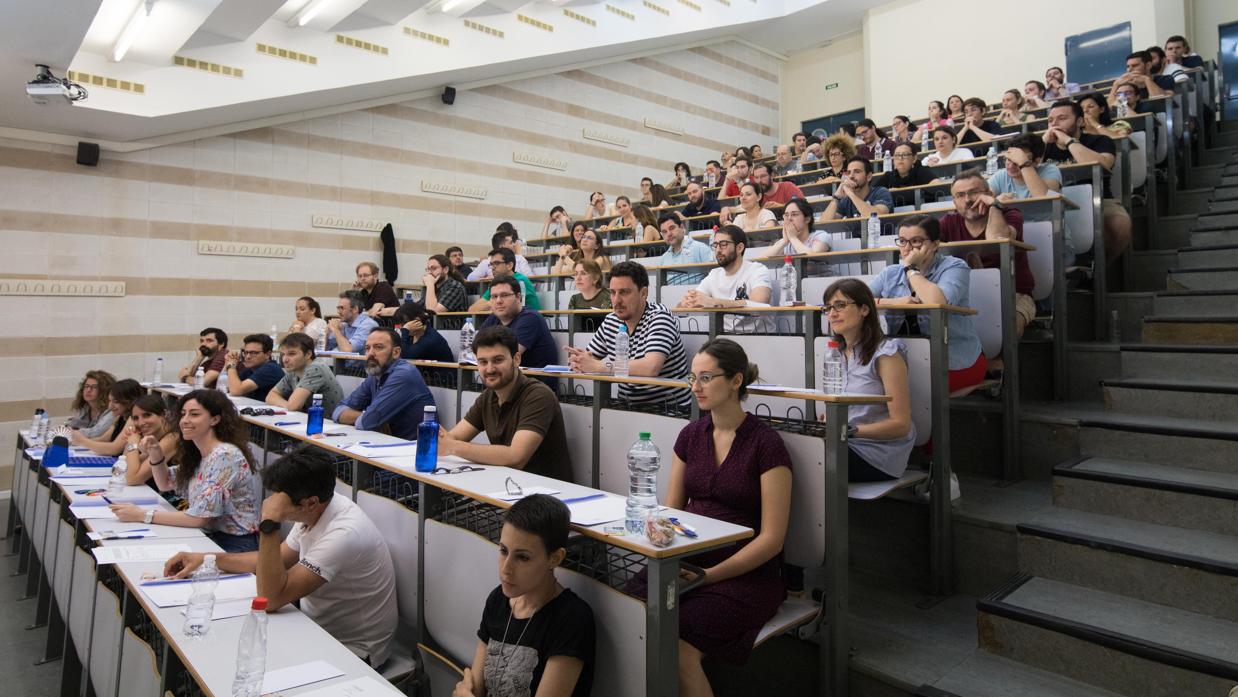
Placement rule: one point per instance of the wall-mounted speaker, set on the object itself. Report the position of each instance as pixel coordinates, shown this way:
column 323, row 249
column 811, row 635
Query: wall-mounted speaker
column 88, row 154
column 449, row 95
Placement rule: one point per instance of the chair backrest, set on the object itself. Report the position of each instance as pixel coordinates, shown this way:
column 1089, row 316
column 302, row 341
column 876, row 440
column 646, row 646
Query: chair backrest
column 985, row 295
column 619, row 622
column 1139, row 159
column 398, row 527
column 138, row 667
column 547, row 299
column 844, row 243
column 453, row 601
column 103, row 646
column 751, row 253
column 445, row 403
column 673, row 295
column 936, row 205
column 620, row 430
column 61, row 568
column 904, row 209
column 578, row 422
column 649, row 263
column 1081, row 222
column 1162, row 139
column 80, row 607
column 805, row 542
column 781, row 362
column 1040, row 235
column 348, row 383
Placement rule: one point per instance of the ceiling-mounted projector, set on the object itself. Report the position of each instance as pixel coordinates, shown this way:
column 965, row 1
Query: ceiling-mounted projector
column 46, row 88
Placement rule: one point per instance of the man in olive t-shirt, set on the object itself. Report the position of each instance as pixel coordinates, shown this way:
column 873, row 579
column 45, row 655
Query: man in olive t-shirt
column 520, row 415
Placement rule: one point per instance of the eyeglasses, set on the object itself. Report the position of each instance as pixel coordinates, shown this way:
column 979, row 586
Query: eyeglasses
column 915, row 243
column 456, row 470
column 502, row 296
column 251, row 354
column 904, row 155
column 974, row 193
column 1126, row 93
column 90, row 385
column 513, row 489
column 703, row 378
column 837, row 306
column 720, row 244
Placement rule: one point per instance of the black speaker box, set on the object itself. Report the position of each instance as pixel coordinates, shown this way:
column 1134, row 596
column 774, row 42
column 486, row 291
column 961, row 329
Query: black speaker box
column 449, row 95
column 88, row 154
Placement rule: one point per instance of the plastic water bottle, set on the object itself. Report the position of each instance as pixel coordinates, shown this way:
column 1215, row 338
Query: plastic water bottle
column 116, row 482
column 874, row 231
column 45, row 428
column 990, row 164
column 408, row 296
column 427, row 441
column 1124, row 108
column 157, row 376
column 320, row 344
column 832, row 369
column 275, row 335
column 467, row 332
column 314, row 425
column 221, row 383
column 199, row 379
column 36, row 422
column 887, row 162
column 251, row 652
column 925, row 139
column 201, row 598
column 879, row 154
column 623, row 350
column 787, row 279
column 644, row 460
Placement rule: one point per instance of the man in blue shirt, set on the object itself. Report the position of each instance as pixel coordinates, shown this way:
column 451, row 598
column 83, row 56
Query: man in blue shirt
column 536, row 346
column 256, row 374
column 682, row 250
column 855, row 197
column 349, row 330
column 698, row 205
column 393, row 396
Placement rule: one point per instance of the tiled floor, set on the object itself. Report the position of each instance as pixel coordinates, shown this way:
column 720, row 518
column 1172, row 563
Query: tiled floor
column 19, row 647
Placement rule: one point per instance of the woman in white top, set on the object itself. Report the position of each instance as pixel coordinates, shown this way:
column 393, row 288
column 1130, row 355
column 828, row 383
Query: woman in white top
column 751, row 215
column 309, row 320
column 598, row 208
column 623, row 209
column 879, row 436
column 945, row 141
column 797, row 235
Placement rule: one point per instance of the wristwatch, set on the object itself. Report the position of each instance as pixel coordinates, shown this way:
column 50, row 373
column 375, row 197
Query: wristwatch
column 609, row 365
column 149, row 517
column 1071, row 142
column 911, row 270
column 268, row 526
column 1025, row 165
column 130, row 447
column 852, row 429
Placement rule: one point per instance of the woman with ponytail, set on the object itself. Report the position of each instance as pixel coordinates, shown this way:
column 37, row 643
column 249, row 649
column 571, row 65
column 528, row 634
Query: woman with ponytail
column 732, row 466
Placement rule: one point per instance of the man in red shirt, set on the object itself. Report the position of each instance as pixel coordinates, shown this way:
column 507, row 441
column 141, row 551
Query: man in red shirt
column 979, row 215
column 773, row 193
column 737, row 176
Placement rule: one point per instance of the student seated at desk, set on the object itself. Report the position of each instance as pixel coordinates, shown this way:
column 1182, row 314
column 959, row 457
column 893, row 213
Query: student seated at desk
column 856, row 195
column 393, row 397
column 749, row 214
column 91, row 417
column 924, row 276
column 879, row 436
column 588, row 280
column 214, row 473
column 444, row 286
column 120, row 399
column 503, row 264
column 334, row 561
column 682, row 249
column 303, row 378
column 736, row 282
column 308, row 320
column 1025, row 175
column 149, row 429
column 945, row 148
column 379, row 297
column 419, row 340
column 257, row 373
column 351, row 326
column 537, row 346
column 521, row 416
column 655, row 346
column 537, row 638
column 907, row 172
column 212, row 347
column 731, row 466
column 798, row 237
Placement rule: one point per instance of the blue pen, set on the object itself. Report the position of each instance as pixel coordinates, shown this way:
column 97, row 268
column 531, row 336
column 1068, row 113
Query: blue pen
column 578, row 499
column 287, row 423
column 684, row 527
column 388, row 445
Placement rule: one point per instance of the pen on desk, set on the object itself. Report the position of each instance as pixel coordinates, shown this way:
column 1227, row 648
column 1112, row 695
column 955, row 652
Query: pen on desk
column 684, row 528
column 381, row 445
column 578, row 499
column 333, row 435
column 287, row 423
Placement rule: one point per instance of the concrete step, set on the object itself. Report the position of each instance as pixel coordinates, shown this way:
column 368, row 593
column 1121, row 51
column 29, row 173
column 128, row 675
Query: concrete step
column 1211, row 278
column 1208, row 256
column 1185, row 303
column 986, row 675
column 1117, row 643
column 1191, row 570
column 1188, row 329
column 1174, row 361
column 1200, row 239
column 1145, row 491
column 1217, row 221
column 1168, row 440
column 1207, row 400
column 1225, row 193
column 1224, row 206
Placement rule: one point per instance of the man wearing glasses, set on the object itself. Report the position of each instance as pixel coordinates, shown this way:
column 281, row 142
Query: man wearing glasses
column 521, row 416
column 734, row 283
column 979, row 215
column 536, row 346
column 503, row 264
column 256, row 374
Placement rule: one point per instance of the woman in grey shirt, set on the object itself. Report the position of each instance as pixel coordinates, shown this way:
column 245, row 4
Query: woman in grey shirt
column 90, row 413
column 879, row 436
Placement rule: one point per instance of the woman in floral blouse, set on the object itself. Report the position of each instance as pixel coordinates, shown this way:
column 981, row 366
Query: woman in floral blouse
column 214, row 474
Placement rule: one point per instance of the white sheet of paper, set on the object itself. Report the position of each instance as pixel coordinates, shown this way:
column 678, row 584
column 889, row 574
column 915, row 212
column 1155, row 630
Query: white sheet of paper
column 528, row 491
column 126, row 553
column 599, row 511
column 401, row 450
column 784, row 388
column 82, row 482
column 120, row 534
column 228, row 609
column 357, row 687
column 175, row 594
column 296, row 676
column 92, row 513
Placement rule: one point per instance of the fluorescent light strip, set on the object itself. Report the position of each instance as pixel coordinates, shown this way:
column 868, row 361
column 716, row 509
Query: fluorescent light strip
column 132, row 28
column 307, row 13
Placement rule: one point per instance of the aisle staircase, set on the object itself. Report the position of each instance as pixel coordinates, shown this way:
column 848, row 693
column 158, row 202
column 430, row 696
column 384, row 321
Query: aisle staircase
column 1126, row 563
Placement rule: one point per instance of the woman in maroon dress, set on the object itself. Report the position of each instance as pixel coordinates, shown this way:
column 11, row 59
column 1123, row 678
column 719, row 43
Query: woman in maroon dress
column 731, row 466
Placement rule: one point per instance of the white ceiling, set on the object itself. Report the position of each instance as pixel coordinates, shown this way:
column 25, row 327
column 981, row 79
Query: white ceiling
column 181, row 102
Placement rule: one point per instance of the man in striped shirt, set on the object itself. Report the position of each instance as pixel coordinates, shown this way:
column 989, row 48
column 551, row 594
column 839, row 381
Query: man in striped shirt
column 656, row 349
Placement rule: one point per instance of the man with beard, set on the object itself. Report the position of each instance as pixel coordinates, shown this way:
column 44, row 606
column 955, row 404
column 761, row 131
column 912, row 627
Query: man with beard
column 393, row 396
column 251, row 373
column 735, row 283
column 521, row 416
column 212, row 350
column 303, row 378
column 854, row 197
column 698, row 204
column 351, row 325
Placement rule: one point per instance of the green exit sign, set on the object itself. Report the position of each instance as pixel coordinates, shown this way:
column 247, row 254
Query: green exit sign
column 831, row 86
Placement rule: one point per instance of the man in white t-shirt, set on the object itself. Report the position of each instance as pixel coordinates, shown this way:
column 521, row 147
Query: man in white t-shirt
column 334, row 561
column 735, row 283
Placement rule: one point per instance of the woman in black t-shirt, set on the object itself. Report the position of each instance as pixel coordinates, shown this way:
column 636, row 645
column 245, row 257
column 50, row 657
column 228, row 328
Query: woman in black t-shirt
column 536, row 637
column 907, row 172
